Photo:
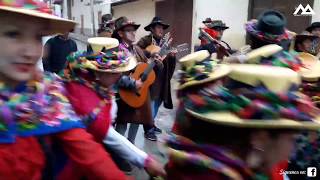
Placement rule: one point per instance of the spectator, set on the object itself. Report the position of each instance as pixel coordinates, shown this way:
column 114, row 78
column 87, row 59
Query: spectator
column 56, row 51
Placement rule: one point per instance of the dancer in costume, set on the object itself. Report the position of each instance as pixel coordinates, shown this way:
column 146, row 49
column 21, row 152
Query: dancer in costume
column 307, row 151
column 270, row 41
column 90, row 78
column 236, row 121
column 35, row 115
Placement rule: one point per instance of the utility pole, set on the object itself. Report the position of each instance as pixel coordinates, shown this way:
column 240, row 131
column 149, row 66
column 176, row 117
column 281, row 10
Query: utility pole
column 93, row 18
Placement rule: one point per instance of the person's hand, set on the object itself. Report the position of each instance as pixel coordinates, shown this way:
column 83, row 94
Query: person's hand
column 173, row 53
column 139, row 84
column 154, row 168
column 157, row 57
column 235, row 59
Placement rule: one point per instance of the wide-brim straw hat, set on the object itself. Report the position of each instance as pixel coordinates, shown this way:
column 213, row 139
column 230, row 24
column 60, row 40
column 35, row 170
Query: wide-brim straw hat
column 311, row 70
column 277, row 80
column 98, row 44
column 54, row 24
column 266, row 51
column 190, row 60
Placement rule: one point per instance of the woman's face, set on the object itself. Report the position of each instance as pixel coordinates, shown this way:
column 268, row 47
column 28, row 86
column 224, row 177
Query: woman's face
column 271, row 150
column 21, row 42
column 282, row 146
column 306, row 46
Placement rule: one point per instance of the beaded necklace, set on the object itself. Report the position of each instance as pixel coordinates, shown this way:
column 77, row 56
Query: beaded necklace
column 35, row 108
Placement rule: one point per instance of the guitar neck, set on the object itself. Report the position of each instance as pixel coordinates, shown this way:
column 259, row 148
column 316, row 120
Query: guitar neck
column 150, row 67
column 164, row 50
column 147, row 71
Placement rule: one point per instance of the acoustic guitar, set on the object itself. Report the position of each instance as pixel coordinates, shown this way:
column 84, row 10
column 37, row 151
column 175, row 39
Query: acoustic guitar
column 145, row 72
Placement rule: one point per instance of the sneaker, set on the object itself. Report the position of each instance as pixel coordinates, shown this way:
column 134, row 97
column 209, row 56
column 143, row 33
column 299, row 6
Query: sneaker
column 150, row 135
column 157, row 130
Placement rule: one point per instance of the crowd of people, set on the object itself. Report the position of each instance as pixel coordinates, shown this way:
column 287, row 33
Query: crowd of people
column 248, row 113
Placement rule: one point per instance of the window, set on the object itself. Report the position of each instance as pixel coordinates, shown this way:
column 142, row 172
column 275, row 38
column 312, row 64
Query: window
column 72, row 3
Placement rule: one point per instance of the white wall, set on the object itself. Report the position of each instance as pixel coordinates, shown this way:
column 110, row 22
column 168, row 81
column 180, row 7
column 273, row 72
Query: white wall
column 141, row 12
column 233, row 13
column 65, row 10
column 316, row 9
column 81, row 8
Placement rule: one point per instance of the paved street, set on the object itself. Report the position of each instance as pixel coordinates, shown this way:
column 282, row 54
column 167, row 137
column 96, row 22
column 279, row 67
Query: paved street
column 164, row 121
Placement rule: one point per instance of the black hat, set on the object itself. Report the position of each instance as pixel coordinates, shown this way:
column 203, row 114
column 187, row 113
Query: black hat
column 107, row 19
column 306, row 35
column 207, row 20
column 272, row 22
column 107, row 24
column 217, row 24
column 123, row 22
column 313, row 26
column 156, row 20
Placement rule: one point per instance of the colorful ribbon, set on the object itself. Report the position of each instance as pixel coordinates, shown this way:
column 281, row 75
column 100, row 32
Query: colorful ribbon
column 249, row 102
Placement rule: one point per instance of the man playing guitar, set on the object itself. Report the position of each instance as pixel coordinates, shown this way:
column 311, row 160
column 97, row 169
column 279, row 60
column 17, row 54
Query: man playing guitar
column 161, row 89
column 125, row 31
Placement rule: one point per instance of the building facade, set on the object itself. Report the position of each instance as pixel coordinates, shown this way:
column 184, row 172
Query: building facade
column 80, row 11
column 186, row 16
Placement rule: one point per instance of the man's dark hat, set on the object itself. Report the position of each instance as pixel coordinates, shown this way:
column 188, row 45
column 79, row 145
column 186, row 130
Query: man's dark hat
column 305, row 35
column 156, row 20
column 207, row 20
column 272, row 22
column 313, row 26
column 107, row 19
column 217, row 24
column 123, row 22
